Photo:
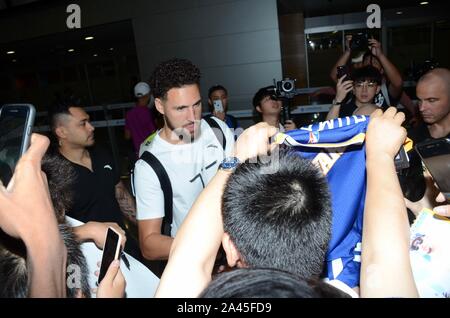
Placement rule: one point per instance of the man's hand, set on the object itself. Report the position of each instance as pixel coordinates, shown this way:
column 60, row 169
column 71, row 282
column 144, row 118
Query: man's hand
column 26, row 212
column 375, row 47
column 25, row 206
column 443, row 210
column 113, row 284
column 348, row 40
column 254, row 141
column 342, row 88
column 96, row 231
column 385, row 135
column 220, row 115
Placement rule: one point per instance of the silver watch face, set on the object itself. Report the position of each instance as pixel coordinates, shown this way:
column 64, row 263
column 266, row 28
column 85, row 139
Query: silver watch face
column 229, row 163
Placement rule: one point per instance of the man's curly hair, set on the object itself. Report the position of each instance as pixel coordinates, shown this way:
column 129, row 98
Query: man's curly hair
column 173, row 73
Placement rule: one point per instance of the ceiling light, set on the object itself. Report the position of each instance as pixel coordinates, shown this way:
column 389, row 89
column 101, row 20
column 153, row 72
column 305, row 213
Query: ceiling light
column 95, row 55
column 10, row 52
column 424, row 3
column 111, row 49
column 70, row 50
column 14, row 61
column 399, row 12
column 89, row 38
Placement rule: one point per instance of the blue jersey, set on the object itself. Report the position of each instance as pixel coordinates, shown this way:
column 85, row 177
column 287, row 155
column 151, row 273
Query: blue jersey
column 337, row 147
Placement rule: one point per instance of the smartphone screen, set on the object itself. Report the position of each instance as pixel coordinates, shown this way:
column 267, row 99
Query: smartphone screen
column 435, row 155
column 16, row 125
column 218, row 107
column 111, row 251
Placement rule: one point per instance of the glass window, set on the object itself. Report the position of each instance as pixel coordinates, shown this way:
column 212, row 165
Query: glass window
column 441, row 43
column 324, row 50
column 409, row 46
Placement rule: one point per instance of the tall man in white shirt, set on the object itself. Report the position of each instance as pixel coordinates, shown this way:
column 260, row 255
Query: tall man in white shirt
column 188, row 148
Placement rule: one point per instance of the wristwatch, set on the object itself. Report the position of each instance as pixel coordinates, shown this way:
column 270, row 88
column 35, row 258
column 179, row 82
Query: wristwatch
column 335, row 102
column 229, row 164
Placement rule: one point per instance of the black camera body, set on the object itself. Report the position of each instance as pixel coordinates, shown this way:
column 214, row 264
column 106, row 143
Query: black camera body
column 285, row 88
column 360, row 41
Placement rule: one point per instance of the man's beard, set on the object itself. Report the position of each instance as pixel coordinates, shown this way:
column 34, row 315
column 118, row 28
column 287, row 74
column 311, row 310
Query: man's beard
column 182, row 133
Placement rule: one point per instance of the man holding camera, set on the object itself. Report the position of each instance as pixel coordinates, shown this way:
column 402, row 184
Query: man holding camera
column 269, row 107
column 391, row 87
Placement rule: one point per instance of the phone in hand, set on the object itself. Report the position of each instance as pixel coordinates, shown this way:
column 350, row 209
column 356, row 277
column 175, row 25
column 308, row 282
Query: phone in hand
column 435, row 155
column 16, row 125
column 218, row 106
column 343, row 70
column 111, row 251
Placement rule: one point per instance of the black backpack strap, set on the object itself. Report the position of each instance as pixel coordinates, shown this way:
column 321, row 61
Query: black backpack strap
column 166, row 187
column 217, row 131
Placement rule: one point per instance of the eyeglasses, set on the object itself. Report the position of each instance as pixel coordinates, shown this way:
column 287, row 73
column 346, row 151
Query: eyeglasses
column 368, row 84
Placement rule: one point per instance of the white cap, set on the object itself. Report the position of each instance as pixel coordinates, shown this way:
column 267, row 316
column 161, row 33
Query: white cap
column 141, row 89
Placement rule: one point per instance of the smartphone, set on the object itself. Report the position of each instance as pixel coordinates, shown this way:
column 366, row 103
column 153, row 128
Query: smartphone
column 111, row 251
column 435, row 155
column 218, row 107
column 343, row 70
column 16, row 125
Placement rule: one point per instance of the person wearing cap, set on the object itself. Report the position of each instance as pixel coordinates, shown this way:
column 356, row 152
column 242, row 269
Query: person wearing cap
column 269, row 107
column 139, row 121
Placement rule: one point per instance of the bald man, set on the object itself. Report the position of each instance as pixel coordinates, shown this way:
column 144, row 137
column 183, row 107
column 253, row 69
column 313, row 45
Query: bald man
column 433, row 92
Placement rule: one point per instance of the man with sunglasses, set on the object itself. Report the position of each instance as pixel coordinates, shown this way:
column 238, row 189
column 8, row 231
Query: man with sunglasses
column 269, row 107
column 364, row 85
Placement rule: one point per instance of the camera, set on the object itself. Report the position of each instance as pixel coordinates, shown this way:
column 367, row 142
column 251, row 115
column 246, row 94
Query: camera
column 285, row 88
column 360, row 41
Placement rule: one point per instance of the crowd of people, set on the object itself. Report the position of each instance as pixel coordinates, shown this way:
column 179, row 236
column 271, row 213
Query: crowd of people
column 227, row 212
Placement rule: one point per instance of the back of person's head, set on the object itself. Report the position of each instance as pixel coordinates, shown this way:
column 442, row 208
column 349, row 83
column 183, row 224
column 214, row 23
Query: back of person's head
column 267, row 283
column 14, row 279
column 366, row 73
column 174, row 73
column 261, row 93
column 60, row 175
column 214, row 88
column 280, row 220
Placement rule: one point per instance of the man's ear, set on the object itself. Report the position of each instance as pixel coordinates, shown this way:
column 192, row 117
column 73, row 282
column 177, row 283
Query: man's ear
column 258, row 109
column 159, row 105
column 60, row 132
column 210, row 102
column 232, row 253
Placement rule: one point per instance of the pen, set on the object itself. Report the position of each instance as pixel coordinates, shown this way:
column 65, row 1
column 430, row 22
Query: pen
column 125, row 260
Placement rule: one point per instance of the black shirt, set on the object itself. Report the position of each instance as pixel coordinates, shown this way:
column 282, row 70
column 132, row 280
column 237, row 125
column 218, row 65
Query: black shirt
column 94, row 197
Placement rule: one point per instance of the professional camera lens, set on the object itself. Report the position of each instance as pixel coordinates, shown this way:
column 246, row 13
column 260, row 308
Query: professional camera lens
column 287, row 86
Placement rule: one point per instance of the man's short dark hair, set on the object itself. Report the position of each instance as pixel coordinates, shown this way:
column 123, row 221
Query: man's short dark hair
column 267, row 283
column 214, row 88
column 261, row 94
column 367, row 73
column 174, row 73
column 280, row 220
column 61, row 107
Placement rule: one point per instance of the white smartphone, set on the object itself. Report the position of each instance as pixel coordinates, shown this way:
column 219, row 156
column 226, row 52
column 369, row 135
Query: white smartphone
column 218, row 107
column 16, row 125
column 111, row 251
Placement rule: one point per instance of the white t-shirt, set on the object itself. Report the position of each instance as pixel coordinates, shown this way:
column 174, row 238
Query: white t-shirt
column 189, row 166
